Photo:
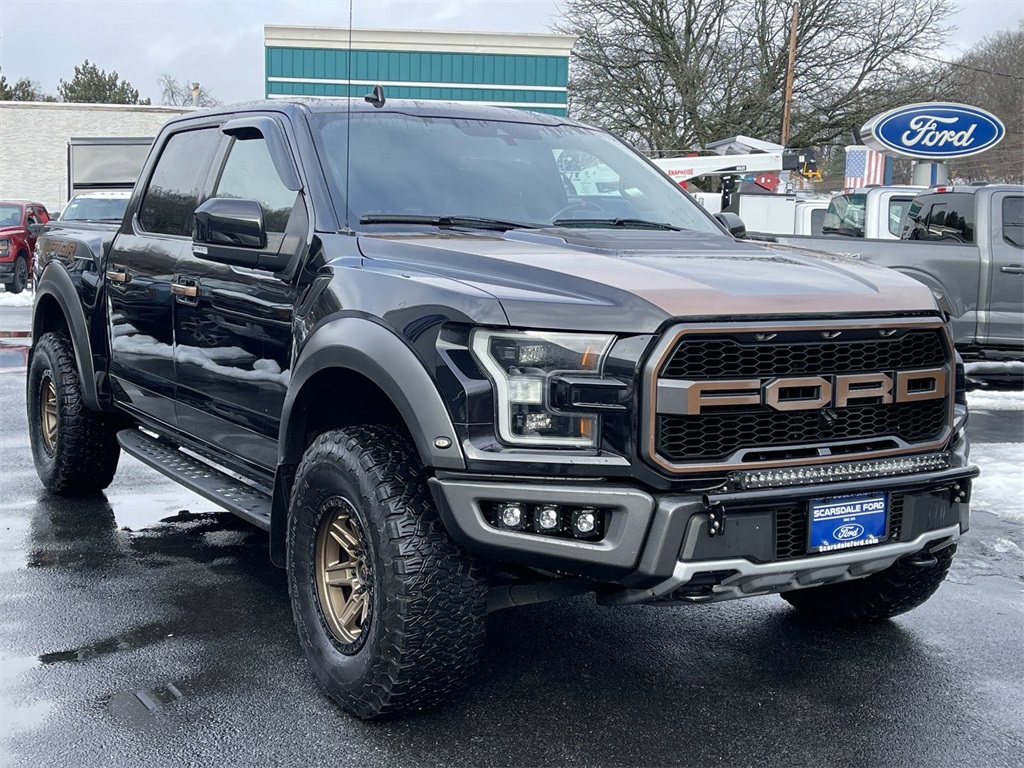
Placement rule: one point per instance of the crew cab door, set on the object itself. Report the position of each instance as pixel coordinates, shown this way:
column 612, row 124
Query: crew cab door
column 233, row 329
column 140, row 275
column 1006, row 274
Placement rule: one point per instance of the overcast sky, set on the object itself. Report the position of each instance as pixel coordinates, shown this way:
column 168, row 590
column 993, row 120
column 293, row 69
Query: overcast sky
column 220, row 42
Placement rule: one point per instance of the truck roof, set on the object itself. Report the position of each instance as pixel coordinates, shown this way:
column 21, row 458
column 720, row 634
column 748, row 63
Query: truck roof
column 322, row 105
column 972, row 189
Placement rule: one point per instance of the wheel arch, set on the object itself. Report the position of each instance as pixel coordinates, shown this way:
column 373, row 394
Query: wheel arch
column 350, row 371
column 57, row 307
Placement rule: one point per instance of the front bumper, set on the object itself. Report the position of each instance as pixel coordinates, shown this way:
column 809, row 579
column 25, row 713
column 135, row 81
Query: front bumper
column 659, row 547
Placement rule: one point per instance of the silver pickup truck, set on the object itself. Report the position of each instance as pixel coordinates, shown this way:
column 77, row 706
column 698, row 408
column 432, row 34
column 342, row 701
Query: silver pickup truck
column 967, row 245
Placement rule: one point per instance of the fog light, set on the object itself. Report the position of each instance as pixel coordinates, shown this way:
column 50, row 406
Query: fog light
column 511, row 516
column 584, row 521
column 547, row 518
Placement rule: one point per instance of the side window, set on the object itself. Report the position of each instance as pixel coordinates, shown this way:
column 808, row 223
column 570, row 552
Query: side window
column 898, row 207
column 1013, row 221
column 952, row 219
column 170, row 199
column 249, row 174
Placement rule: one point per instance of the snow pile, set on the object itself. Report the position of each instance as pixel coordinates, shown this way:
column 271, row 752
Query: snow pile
column 991, row 400
column 1000, row 489
column 23, row 299
column 1015, row 367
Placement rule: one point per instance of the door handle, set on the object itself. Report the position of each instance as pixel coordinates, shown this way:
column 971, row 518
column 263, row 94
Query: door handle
column 185, row 290
column 1013, row 269
column 118, row 276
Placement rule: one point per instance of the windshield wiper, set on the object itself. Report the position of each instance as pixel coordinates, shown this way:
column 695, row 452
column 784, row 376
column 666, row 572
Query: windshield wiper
column 627, row 223
column 470, row 222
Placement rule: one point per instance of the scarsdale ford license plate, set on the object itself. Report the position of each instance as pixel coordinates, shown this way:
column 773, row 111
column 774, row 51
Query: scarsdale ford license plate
column 845, row 522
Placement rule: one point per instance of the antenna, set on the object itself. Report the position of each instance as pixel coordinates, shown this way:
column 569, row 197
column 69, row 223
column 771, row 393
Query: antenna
column 348, row 119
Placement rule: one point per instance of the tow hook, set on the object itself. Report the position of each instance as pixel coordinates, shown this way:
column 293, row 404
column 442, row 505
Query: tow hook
column 922, row 560
column 716, row 521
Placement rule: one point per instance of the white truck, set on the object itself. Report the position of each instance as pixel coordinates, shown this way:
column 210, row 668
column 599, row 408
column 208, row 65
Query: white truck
column 872, row 212
column 781, row 214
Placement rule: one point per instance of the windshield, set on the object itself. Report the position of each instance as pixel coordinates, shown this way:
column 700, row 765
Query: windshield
column 95, row 209
column 845, row 216
column 521, row 173
column 10, row 215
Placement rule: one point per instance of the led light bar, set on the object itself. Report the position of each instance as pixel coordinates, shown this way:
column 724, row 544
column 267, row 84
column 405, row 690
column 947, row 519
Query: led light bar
column 832, row 473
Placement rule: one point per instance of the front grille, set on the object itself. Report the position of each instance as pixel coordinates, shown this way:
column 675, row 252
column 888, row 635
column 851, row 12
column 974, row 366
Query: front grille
column 791, row 528
column 710, row 358
column 752, row 434
column 718, row 435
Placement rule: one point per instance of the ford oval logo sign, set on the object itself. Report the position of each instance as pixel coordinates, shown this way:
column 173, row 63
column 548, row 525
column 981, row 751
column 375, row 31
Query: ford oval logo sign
column 847, row 532
column 933, row 131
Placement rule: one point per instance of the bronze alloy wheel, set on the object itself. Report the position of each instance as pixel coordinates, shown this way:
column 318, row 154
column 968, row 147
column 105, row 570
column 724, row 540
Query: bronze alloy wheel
column 343, row 578
column 48, row 413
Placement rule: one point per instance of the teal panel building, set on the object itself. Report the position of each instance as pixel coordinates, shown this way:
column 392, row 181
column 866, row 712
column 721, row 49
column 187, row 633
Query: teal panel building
column 523, row 71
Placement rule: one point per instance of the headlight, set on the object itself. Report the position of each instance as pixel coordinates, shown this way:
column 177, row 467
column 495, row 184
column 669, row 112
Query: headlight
column 5, row 245
column 522, row 365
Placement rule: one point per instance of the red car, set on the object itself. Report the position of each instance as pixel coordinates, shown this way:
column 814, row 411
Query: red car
column 17, row 241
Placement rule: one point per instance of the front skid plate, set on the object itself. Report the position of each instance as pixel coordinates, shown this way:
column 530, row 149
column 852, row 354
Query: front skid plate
column 751, row 579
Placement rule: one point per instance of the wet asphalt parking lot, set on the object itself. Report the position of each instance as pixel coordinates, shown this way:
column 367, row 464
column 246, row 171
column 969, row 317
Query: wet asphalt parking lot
column 144, row 627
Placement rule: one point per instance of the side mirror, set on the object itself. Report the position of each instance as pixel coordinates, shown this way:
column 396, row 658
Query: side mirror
column 35, row 229
column 733, row 223
column 228, row 222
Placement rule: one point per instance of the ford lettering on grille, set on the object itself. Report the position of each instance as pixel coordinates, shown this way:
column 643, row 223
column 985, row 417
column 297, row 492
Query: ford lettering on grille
column 802, row 393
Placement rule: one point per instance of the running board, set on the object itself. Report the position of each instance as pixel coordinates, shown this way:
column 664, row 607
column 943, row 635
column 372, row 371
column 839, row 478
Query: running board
column 210, row 483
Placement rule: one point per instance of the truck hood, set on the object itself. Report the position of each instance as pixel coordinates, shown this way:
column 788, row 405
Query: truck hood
column 10, row 231
column 635, row 280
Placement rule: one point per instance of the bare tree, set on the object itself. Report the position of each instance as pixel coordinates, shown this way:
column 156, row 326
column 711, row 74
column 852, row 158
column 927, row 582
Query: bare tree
column 672, row 75
column 174, row 93
column 991, row 76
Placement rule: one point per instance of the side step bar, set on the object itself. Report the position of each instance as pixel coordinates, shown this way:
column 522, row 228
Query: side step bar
column 210, row 483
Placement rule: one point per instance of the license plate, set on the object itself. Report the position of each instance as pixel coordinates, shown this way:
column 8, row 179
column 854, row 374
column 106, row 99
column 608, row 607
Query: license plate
column 846, row 522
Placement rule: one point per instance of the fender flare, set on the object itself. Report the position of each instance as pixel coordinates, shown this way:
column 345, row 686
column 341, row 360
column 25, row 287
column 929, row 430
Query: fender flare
column 950, row 304
column 372, row 350
column 57, row 283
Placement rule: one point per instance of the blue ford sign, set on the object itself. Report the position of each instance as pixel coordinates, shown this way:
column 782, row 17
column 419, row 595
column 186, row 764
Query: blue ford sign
column 935, row 131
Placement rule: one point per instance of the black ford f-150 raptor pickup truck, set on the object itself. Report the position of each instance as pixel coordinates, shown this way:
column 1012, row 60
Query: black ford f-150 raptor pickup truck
column 396, row 336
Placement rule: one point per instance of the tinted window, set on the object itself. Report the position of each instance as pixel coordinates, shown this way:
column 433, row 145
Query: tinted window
column 845, row 216
column 1013, row 221
column 952, row 218
column 249, row 174
column 898, row 207
column 174, row 186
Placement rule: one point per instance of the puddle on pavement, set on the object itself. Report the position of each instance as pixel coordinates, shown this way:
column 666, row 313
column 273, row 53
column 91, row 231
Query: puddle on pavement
column 149, row 634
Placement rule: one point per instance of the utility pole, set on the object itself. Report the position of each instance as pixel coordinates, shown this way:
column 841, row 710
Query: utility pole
column 787, row 101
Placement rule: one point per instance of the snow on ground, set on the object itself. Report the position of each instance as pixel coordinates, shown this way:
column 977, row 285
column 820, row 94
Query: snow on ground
column 1000, row 489
column 992, row 400
column 23, row 299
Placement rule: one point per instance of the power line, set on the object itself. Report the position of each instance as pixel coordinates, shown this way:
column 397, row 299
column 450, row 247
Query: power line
column 958, row 65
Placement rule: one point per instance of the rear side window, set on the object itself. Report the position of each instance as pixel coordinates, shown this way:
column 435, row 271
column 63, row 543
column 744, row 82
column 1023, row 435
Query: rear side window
column 1013, row 221
column 249, row 174
column 170, row 199
column 947, row 217
column 817, row 219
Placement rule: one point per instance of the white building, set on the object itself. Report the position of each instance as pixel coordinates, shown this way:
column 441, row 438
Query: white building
column 34, row 142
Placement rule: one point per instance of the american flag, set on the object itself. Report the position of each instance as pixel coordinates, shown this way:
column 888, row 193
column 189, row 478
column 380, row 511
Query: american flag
column 864, row 166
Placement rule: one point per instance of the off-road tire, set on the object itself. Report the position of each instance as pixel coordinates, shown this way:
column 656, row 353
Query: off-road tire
column 20, row 281
column 428, row 598
column 86, row 453
column 899, row 588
